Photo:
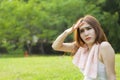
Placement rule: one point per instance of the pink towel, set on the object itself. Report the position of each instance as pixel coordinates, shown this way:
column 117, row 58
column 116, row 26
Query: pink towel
column 87, row 61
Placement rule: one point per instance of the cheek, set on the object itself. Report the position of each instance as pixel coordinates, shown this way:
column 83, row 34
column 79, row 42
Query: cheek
column 94, row 34
column 81, row 35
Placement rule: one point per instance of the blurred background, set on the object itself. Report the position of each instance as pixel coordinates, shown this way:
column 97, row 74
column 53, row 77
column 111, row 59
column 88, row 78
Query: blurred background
column 29, row 27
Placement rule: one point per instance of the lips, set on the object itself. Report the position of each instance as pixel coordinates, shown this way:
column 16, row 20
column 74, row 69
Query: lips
column 88, row 38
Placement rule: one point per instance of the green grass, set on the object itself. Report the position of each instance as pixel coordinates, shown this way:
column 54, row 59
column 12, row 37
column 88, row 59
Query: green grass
column 117, row 66
column 42, row 68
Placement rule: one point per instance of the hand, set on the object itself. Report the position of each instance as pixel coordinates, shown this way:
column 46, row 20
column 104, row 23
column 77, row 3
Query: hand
column 78, row 24
column 74, row 27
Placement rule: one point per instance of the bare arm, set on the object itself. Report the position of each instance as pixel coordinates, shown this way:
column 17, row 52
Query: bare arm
column 59, row 44
column 108, row 56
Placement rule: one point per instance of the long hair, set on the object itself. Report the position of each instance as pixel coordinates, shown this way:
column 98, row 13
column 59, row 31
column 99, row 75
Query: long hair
column 100, row 35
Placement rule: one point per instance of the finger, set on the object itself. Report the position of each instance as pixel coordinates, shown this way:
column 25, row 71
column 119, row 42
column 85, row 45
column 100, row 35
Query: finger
column 79, row 25
column 76, row 26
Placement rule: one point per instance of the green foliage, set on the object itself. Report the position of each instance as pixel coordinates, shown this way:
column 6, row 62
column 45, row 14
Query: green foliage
column 111, row 27
column 20, row 20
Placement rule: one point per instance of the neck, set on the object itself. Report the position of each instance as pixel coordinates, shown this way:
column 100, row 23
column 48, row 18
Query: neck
column 90, row 46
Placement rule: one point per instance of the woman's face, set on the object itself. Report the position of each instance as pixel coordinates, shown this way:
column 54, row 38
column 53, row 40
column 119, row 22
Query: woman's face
column 87, row 33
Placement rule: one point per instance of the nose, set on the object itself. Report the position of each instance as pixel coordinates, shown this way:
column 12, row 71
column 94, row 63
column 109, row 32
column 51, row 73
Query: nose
column 86, row 32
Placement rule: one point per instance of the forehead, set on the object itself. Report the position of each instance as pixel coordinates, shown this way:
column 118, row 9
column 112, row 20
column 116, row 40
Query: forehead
column 84, row 25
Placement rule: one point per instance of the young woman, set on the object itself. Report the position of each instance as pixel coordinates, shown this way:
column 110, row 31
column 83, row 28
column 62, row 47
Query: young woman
column 92, row 53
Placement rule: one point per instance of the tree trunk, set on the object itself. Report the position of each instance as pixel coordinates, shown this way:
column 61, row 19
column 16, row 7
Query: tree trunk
column 42, row 48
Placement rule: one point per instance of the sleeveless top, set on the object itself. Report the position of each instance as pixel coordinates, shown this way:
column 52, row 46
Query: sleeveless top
column 101, row 72
column 80, row 58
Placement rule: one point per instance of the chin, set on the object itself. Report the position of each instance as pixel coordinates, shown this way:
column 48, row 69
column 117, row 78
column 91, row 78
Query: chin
column 89, row 42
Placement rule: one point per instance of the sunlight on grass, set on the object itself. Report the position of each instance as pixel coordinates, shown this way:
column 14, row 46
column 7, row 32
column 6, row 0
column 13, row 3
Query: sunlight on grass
column 38, row 68
column 42, row 68
column 117, row 65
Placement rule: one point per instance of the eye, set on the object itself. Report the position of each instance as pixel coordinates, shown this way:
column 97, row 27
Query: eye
column 81, row 30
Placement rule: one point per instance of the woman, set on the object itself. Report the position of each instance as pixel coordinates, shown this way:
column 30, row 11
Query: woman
column 93, row 54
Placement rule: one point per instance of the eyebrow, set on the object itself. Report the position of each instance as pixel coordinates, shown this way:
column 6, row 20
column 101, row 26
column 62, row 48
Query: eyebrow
column 85, row 27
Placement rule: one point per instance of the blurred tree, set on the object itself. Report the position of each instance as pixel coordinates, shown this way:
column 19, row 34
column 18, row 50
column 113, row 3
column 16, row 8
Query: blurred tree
column 21, row 20
column 112, row 8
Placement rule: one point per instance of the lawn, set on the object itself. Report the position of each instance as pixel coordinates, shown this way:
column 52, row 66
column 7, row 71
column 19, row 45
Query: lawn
column 42, row 68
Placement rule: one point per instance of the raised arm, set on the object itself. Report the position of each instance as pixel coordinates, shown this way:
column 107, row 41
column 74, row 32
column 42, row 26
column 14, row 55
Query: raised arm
column 59, row 44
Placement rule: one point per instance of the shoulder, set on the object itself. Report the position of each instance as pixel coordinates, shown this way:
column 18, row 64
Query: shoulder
column 106, row 48
column 105, row 44
column 106, row 52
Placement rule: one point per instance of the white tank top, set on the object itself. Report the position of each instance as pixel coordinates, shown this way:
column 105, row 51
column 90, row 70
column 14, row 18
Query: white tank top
column 101, row 72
